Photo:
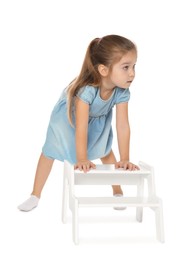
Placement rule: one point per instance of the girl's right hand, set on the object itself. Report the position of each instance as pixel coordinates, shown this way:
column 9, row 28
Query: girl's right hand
column 84, row 165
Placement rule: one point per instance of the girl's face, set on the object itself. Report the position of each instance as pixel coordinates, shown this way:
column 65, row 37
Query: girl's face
column 123, row 72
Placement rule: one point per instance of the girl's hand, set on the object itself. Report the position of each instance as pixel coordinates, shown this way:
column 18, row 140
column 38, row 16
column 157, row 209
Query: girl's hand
column 126, row 165
column 84, row 165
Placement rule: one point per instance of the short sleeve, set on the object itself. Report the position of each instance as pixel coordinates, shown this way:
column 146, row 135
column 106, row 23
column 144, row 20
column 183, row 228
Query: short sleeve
column 122, row 95
column 87, row 94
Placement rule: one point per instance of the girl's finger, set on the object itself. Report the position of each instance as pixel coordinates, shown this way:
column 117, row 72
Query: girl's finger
column 93, row 166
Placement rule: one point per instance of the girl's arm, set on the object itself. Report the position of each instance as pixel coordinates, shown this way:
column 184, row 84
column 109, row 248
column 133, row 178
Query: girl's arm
column 123, row 136
column 81, row 135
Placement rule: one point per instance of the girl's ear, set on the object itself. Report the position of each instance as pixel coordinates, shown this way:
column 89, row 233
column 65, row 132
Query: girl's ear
column 103, row 70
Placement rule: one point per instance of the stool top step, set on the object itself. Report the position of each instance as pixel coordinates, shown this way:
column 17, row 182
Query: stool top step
column 110, row 168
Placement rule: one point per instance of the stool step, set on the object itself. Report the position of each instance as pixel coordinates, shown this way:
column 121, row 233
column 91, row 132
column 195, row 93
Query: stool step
column 110, row 169
column 108, row 175
column 115, row 201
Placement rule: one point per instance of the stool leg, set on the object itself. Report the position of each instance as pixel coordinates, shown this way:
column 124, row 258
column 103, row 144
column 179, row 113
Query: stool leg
column 140, row 193
column 159, row 223
column 75, row 225
column 139, row 214
column 65, row 198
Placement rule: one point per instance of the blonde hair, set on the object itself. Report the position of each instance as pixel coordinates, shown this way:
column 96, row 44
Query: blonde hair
column 107, row 51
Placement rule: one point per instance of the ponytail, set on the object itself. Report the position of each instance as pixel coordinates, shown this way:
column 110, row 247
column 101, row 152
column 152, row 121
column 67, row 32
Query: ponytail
column 89, row 75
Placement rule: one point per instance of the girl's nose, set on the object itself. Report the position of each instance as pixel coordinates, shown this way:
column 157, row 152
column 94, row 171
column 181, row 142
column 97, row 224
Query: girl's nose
column 132, row 73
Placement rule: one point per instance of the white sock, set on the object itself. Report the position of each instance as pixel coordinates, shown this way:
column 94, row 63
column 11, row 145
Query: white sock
column 119, row 208
column 29, row 204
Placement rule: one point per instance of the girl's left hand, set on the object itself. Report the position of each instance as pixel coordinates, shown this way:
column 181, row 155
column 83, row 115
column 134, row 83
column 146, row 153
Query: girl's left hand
column 126, row 165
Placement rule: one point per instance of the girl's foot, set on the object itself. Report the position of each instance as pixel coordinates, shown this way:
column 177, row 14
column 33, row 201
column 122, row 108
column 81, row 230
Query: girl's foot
column 119, row 195
column 29, row 204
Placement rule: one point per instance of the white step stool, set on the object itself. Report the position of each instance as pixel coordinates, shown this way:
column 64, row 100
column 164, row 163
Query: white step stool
column 106, row 174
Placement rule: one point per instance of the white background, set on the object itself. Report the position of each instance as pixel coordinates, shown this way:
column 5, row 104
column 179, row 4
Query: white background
column 42, row 46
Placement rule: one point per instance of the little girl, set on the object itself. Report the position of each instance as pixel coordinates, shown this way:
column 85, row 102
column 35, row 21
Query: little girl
column 80, row 125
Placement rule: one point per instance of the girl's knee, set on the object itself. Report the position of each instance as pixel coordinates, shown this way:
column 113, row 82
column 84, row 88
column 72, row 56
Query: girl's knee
column 109, row 158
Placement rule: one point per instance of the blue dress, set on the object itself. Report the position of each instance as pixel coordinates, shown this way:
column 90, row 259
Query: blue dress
column 60, row 138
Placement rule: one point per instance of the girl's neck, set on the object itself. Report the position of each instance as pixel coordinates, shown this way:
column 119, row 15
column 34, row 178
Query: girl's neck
column 105, row 93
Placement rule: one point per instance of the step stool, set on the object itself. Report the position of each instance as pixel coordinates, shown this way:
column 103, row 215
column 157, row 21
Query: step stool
column 106, row 174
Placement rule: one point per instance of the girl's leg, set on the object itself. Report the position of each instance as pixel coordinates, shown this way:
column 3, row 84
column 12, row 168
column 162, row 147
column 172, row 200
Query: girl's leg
column 44, row 167
column 110, row 159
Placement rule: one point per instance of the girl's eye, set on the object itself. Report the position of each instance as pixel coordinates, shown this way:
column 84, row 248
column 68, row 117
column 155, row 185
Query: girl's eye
column 126, row 67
